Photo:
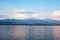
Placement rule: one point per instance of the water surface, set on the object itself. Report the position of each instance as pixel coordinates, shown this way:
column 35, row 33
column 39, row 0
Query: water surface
column 24, row 32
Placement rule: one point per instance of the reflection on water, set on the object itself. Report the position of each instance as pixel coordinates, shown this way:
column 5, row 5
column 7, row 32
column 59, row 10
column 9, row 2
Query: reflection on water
column 23, row 32
column 56, row 32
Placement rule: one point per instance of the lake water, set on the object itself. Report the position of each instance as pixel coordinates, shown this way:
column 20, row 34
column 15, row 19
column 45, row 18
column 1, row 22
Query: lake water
column 24, row 32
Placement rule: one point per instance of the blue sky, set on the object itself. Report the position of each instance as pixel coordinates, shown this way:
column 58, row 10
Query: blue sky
column 37, row 6
column 34, row 5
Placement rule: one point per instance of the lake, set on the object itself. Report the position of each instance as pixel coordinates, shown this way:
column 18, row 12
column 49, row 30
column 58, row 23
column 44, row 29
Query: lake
column 27, row 32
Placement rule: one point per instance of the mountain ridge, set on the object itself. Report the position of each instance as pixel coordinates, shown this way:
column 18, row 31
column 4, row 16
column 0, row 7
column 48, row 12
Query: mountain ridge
column 29, row 21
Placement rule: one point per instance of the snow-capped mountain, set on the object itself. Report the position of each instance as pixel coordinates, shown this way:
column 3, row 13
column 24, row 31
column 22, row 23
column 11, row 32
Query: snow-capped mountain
column 29, row 21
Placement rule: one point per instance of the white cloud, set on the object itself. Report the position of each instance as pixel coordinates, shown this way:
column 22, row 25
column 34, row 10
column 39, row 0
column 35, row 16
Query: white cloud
column 22, row 11
column 55, row 15
column 39, row 16
column 27, row 14
column 24, row 14
column 21, row 14
column 2, row 15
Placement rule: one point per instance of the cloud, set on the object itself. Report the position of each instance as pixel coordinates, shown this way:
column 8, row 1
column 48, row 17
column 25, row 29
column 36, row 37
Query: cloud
column 55, row 15
column 23, row 11
column 39, row 16
column 21, row 14
column 27, row 14
column 3, row 17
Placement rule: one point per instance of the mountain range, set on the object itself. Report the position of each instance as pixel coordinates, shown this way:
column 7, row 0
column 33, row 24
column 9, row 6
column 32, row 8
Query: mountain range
column 29, row 21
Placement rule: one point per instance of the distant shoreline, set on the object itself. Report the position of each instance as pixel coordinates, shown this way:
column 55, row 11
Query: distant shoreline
column 34, row 24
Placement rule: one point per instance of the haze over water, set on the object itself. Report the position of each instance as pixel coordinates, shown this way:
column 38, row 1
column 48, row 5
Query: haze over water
column 24, row 32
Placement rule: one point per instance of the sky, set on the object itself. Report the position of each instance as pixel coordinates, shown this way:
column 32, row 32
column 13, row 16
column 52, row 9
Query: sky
column 25, row 9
